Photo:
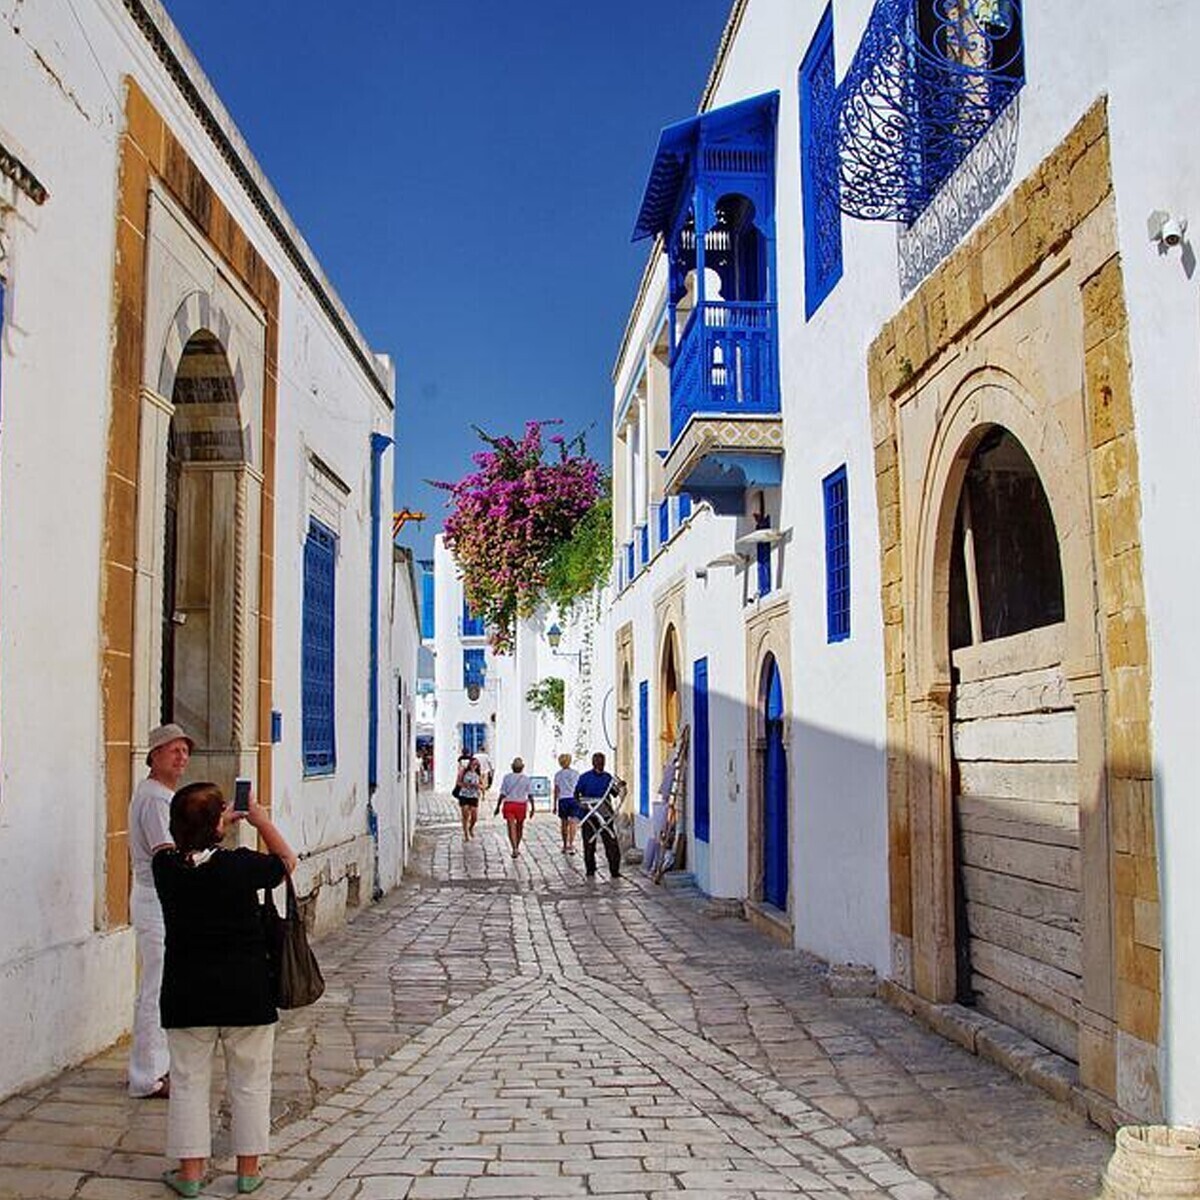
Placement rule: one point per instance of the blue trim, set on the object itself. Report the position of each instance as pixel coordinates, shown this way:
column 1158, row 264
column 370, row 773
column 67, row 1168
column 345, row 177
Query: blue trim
column 775, row 800
column 379, row 443
column 317, row 651
column 629, row 566
column 664, row 522
column 700, row 746
column 644, row 543
column 763, row 554
column 819, row 187
column 685, row 507
column 472, row 626
column 474, row 668
column 474, row 736
column 644, row 747
column 837, row 555
column 427, row 599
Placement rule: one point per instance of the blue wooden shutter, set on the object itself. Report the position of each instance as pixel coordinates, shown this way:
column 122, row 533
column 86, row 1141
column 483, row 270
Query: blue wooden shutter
column 317, row 680
column 837, row 556
column 822, row 218
column 473, row 736
column 427, row 605
column 474, row 668
column 644, row 747
column 472, row 626
column 700, row 745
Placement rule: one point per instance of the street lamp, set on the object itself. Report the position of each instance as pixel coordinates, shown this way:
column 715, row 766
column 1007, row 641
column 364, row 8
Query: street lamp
column 554, row 637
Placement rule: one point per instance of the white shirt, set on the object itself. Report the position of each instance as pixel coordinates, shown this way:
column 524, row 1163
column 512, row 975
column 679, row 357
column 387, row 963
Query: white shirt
column 149, row 826
column 515, row 786
column 564, row 783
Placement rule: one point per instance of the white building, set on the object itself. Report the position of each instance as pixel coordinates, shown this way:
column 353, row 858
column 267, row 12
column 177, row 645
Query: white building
column 194, row 456
column 929, row 631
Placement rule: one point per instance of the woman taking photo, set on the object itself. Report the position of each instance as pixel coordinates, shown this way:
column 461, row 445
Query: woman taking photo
column 216, row 987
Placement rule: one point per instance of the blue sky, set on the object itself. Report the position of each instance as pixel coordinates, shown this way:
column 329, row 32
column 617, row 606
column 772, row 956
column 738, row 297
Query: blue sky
column 468, row 173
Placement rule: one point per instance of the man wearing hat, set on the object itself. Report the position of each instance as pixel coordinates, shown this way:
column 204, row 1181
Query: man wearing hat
column 149, row 830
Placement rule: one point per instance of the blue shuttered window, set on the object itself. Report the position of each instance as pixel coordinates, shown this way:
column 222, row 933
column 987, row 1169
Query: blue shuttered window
column 317, row 681
column 837, row 556
column 644, row 747
column 473, row 736
column 472, row 626
column 474, row 668
column 819, row 185
column 700, row 745
column 427, row 626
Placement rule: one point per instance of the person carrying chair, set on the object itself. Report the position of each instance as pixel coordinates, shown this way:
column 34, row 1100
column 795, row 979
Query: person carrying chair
column 599, row 794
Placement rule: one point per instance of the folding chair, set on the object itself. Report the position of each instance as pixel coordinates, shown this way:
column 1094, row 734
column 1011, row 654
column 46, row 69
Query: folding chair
column 603, row 808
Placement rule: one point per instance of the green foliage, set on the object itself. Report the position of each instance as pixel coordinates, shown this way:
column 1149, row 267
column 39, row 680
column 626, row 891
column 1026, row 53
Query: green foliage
column 582, row 562
column 549, row 696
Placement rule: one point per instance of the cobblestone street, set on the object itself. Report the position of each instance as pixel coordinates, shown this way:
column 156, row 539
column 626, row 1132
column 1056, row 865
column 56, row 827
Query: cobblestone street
column 501, row 1028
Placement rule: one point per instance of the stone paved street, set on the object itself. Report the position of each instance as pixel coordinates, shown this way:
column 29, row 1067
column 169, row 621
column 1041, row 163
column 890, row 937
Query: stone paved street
column 513, row 1029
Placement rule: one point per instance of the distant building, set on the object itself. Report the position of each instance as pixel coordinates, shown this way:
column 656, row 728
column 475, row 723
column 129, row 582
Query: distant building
column 903, row 436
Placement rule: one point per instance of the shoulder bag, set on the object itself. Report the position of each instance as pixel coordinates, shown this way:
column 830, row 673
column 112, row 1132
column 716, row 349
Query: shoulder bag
column 296, row 978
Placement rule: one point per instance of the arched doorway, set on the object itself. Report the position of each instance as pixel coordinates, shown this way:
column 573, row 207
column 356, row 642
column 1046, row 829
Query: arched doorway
column 774, row 789
column 204, row 594
column 1014, row 739
column 671, row 714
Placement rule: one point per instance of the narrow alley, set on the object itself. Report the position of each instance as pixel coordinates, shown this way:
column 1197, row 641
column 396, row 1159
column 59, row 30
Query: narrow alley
column 511, row 1029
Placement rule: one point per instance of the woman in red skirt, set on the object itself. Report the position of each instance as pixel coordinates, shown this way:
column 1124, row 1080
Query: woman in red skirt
column 515, row 803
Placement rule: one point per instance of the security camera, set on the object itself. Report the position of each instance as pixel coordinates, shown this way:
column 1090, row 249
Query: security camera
column 1173, row 230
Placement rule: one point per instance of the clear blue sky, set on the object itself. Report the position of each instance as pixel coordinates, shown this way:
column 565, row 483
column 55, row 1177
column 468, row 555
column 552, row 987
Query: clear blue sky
column 468, row 173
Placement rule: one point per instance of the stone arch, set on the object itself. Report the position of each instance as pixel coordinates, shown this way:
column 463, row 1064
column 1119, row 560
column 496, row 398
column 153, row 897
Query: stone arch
column 670, row 691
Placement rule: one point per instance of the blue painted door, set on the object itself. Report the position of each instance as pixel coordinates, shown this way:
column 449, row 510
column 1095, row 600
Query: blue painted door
column 774, row 785
column 644, row 747
column 700, row 744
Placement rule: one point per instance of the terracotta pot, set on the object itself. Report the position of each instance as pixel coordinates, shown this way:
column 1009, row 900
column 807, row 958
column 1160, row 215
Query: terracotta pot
column 1154, row 1162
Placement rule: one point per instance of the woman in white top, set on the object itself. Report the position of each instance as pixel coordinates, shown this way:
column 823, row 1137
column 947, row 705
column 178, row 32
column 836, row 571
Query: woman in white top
column 564, row 799
column 515, row 803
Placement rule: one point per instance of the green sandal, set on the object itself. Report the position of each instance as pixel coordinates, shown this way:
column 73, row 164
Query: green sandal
column 181, row 1187
column 249, row 1183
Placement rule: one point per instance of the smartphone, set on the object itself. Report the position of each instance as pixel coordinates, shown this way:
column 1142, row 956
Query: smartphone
column 241, row 795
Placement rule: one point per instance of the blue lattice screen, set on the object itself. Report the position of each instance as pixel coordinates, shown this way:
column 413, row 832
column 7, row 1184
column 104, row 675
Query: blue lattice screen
column 317, row 680
column 822, row 214
column 474, row 668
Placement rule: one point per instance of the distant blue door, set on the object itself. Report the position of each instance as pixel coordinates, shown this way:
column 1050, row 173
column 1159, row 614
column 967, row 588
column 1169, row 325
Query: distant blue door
column 644, row 747
column 700, row 745
column 774, row 790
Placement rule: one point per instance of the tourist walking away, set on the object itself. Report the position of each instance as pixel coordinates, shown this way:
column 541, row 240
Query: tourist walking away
column 564, row 799
column 149, row 831
column 216, row 986
column 468, row 788
column 515, row 803
column 593, row 785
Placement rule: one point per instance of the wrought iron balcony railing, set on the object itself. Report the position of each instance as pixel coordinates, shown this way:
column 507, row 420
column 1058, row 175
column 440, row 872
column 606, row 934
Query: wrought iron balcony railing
column 726, row 361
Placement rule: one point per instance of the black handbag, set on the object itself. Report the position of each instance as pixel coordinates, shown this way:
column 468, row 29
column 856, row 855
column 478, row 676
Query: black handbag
column 296, row 978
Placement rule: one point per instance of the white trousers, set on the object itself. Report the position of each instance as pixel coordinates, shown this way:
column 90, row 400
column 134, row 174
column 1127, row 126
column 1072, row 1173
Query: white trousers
column 248, row 1053
column 149, row 1059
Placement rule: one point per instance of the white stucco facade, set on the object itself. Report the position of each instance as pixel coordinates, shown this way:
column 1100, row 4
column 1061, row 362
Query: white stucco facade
column 836, row 707
column 81, row 669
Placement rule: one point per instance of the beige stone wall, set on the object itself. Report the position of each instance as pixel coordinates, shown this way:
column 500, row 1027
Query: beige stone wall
column 1025, row 325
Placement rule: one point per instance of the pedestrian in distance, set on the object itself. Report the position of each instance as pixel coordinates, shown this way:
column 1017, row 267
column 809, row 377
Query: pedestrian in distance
column 515, row 803
column 486, row 769
column 595, row 791
column 564, row 798
column 468, row 788
column 149, row 832
column 216, row 986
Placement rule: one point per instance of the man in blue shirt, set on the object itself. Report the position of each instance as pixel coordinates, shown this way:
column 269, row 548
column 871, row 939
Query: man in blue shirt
column 598, row 785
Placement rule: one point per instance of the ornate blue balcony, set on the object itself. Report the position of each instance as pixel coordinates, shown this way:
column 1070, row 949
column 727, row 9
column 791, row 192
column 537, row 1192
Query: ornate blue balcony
column 711, row 195
column 928, row 80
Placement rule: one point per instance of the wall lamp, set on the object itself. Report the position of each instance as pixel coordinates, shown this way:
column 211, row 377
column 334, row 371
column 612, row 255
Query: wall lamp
column 1165, row 229
column 722, row 560
column 554, row 636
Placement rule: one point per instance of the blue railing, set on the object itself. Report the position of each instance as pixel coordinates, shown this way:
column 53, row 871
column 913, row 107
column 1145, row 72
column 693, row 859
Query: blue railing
column 726, row 361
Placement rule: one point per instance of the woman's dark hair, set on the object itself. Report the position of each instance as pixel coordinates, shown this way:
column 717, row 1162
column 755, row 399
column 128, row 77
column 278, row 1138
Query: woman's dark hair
column 196, row 816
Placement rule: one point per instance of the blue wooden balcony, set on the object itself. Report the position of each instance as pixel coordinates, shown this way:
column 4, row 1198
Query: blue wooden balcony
column 726, row 362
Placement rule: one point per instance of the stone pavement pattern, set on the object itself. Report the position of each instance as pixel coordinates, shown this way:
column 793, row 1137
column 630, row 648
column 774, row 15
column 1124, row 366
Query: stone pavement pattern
column 509, row 1028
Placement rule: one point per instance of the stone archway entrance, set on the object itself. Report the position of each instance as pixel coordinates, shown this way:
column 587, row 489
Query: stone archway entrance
column 774, row 791
column 1014, row 752
column 670, row 717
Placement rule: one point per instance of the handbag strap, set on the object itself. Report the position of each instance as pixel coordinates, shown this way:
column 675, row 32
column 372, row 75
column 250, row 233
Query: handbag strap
column 293, row 905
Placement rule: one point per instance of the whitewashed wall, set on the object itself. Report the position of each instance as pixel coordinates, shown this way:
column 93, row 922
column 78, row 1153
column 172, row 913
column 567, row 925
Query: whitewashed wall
column 61, row 111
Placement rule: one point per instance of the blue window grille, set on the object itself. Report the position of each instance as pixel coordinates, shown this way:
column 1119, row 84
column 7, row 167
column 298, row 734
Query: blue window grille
column 664, row 522
column 644, row 747
column 474, row 736
column 317, row 634
column 837, row 556
column 427, row 627
column 644, row 543
column 472, row 626
column 700, row 745
column 474, row 668
column 763, row 553
column 818, row 169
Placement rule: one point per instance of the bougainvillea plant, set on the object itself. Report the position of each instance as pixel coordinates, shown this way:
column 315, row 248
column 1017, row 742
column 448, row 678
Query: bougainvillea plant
column 511, row 516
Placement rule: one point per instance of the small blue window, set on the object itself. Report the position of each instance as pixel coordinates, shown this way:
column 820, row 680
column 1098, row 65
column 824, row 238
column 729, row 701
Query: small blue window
column 819, row 183
column 763, row 554
column 427, row 599
column 474, row 736
column 474, row 668
column 472, row 626
column 664, row 522
column 700, row 745
column 316, row 685
column 644, row 747
column 837, row 556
